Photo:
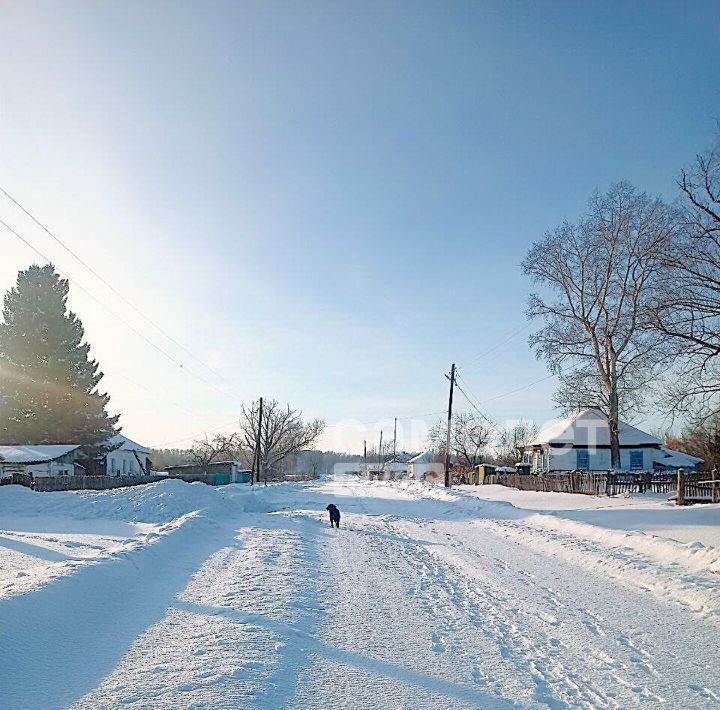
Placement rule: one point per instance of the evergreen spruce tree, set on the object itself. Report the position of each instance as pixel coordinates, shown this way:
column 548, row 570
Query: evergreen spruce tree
column 48, row 384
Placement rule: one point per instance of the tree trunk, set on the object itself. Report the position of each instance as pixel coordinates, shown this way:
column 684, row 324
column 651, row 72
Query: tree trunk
column 614, row 428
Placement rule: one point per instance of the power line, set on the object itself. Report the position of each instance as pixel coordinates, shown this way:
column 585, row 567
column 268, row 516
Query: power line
column 484, row 416
column 141, row 386
column 519, row 389
column 379, row 419
column 119, row 318
column 109, row 285
column 499, row 344
column 196, row 435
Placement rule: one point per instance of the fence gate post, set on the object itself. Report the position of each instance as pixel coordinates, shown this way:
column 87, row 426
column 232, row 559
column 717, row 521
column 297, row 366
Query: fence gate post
column 680, row 499
column 714, row 484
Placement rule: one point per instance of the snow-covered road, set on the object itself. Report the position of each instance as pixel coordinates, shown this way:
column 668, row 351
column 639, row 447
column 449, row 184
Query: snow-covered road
column 422, row 599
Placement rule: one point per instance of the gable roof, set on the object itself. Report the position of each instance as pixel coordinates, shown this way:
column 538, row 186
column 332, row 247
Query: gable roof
column 589, row 427
column 42, row 453
column 122, row 443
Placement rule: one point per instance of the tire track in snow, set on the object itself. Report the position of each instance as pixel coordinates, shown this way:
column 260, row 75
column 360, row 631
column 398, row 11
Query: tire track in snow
column 670, row 582
column 625, row 665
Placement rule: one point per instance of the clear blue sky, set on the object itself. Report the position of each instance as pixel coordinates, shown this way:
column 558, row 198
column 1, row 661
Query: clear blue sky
column 328, row 201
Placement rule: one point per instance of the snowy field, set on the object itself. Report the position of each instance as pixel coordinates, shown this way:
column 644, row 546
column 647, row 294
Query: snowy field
column 183, row 596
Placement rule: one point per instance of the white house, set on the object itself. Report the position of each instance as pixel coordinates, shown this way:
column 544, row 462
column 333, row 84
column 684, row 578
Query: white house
column 128, row 458
column 582, row 443
column 41, row 460
column 424, row 466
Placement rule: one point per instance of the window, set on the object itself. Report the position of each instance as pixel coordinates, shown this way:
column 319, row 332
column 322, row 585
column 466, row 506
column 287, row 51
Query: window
column 124, row 465
column 583, row 459
column 636, row 460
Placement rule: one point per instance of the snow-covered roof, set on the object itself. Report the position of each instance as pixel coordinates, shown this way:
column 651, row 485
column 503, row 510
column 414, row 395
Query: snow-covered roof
column 589, row 427
column 402, row 458
column 425, row 457
column 35, row 454
column 677, row 459
column 126, row 444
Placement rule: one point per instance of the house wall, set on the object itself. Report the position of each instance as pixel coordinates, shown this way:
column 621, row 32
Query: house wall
column 124, row 463
column 599, row 459
column 419, row 471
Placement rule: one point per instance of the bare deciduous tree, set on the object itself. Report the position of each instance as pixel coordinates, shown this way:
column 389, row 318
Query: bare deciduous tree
column 689, row 301
column 701, row 439
column 469, row 438
column 283, row 432
column 217, row 448
column 599, row 277
column 513, row 440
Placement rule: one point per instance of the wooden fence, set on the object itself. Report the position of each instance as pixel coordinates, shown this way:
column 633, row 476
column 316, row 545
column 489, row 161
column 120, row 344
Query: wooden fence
column 78, row 483
column 101, row 483
column 600, row 484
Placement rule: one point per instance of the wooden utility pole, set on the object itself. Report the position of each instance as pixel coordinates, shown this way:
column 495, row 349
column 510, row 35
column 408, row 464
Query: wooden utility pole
column 449, row 427
column 259, row 440
column 680, row 498
column 367, row 475
column 380, row 467
column 395, row 441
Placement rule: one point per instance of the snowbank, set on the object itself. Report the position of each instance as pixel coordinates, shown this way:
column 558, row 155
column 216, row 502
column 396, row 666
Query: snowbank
column 152, row 503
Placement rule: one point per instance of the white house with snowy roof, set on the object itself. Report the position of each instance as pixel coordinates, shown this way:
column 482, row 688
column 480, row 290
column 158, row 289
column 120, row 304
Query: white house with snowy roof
column 424, row 465
column 40, row 460
column 128, row 458
column 582, row 443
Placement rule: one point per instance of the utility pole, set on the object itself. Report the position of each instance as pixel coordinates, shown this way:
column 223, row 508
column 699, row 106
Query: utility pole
column 395, row 441
column 259, row 440
column 449, row 426
column 365, row 458
column 380, row 468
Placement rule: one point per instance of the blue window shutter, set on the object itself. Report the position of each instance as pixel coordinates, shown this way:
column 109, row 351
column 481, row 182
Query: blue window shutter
column 583, row 459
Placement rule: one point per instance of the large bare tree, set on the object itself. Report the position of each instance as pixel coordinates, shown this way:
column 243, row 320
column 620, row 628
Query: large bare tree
column 513, row 440
column 470, row 436
column 283, row 432
column 209, row 449
column 689, row 301
column 598, row 277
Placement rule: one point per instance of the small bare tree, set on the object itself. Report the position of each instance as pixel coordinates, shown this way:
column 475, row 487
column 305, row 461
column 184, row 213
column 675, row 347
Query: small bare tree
column 283, row 432
column 217, row 448
column 513, row 441
column 598, row 277
column 689, row 301
column 470, row 435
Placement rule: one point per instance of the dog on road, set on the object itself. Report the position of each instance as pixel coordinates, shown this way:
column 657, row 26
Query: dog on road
column 334, row 515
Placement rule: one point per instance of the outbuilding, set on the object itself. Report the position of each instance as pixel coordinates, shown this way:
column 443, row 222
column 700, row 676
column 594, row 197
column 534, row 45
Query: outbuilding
column 41, row 460
column 424, row 466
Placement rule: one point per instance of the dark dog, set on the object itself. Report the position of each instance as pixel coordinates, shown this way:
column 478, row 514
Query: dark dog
column 334, row 515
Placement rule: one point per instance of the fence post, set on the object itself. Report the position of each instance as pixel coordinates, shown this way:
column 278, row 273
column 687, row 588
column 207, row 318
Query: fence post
column 680, row 498
column 714, row 484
